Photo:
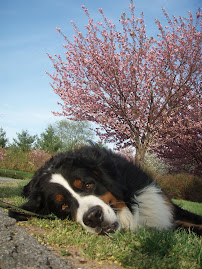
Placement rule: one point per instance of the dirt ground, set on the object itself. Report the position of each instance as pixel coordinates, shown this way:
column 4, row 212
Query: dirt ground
column 74, row 254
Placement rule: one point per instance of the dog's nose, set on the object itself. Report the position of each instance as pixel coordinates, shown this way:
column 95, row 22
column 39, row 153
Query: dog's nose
column 93, row 217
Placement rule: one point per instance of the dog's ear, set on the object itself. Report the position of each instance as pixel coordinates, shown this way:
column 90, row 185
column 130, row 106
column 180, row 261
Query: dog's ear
column 34, row 204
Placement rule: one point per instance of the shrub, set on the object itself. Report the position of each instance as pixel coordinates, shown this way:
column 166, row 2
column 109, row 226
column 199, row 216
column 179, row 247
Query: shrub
column 16, row 160
column 181, row 186
column 20, row 160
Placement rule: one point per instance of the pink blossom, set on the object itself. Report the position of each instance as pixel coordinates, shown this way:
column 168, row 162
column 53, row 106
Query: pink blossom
column 37, row 157
column 2, row 154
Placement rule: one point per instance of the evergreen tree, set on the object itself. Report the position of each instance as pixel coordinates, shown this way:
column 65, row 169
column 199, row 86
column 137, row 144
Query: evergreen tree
column 49, row 141
column 3, row 139
column 24, row 140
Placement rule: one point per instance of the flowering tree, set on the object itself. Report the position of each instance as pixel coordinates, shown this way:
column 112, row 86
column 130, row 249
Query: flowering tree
column 37, row 157
column 131, row 85
column 182, row 146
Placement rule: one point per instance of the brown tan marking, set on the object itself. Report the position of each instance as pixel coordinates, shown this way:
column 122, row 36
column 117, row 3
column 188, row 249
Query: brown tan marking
column 78, row 183
column 64, row 207
column 59, row 197
column 188, row 224
column 168, row 202
column 111, row 200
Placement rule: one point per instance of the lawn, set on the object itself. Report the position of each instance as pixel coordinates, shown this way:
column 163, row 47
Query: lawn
column 147, row 248
column 15, row 174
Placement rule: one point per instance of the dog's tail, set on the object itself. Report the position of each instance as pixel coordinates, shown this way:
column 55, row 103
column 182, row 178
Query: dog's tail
column 187, row 220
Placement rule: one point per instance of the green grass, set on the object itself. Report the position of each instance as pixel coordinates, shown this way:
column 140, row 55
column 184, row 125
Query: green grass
column 12, row 192
column 190, row 206
column 15, row 174
column 147, row 248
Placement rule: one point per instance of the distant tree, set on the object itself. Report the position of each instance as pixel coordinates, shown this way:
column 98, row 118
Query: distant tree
column 72, row 133
column 49, row 141
column 24, row 141
column 131, row 84
column 3, row 139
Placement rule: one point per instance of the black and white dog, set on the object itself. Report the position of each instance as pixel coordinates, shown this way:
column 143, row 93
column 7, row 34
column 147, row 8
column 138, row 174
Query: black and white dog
column 104, row 192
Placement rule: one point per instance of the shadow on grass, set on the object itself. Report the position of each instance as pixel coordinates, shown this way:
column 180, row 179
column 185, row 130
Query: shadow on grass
column 158, row 242
column 151, row 249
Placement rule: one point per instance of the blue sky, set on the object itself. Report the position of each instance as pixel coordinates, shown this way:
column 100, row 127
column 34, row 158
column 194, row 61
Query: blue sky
column 28, row 32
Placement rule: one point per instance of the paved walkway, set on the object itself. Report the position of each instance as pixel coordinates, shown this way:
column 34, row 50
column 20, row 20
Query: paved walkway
column 20, row 250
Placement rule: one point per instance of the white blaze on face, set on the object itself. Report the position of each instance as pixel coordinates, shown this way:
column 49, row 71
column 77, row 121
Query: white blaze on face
column 85, row 203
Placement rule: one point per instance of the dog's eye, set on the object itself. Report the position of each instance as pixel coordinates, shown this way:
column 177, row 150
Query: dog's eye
column 88, row 186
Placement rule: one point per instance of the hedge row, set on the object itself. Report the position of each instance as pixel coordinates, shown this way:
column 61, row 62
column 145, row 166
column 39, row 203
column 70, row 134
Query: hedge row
column 27, row 161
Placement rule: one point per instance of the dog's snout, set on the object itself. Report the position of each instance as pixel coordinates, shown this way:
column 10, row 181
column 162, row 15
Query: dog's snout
column 93, row 217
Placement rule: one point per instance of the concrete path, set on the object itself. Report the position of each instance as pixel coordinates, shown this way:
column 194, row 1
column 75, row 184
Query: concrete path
column 20, row 250
column 6, row 179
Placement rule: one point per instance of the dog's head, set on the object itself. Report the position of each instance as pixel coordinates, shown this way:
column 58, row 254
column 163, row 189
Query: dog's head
column 86, row 201
column 81, row 187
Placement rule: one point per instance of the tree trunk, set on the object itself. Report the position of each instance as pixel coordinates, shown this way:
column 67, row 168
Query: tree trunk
column 140, row 156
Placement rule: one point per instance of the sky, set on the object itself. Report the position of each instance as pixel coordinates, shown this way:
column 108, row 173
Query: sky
column 28, row 33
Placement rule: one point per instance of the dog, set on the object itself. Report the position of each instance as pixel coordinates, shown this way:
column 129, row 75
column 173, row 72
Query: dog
column 104, row 192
